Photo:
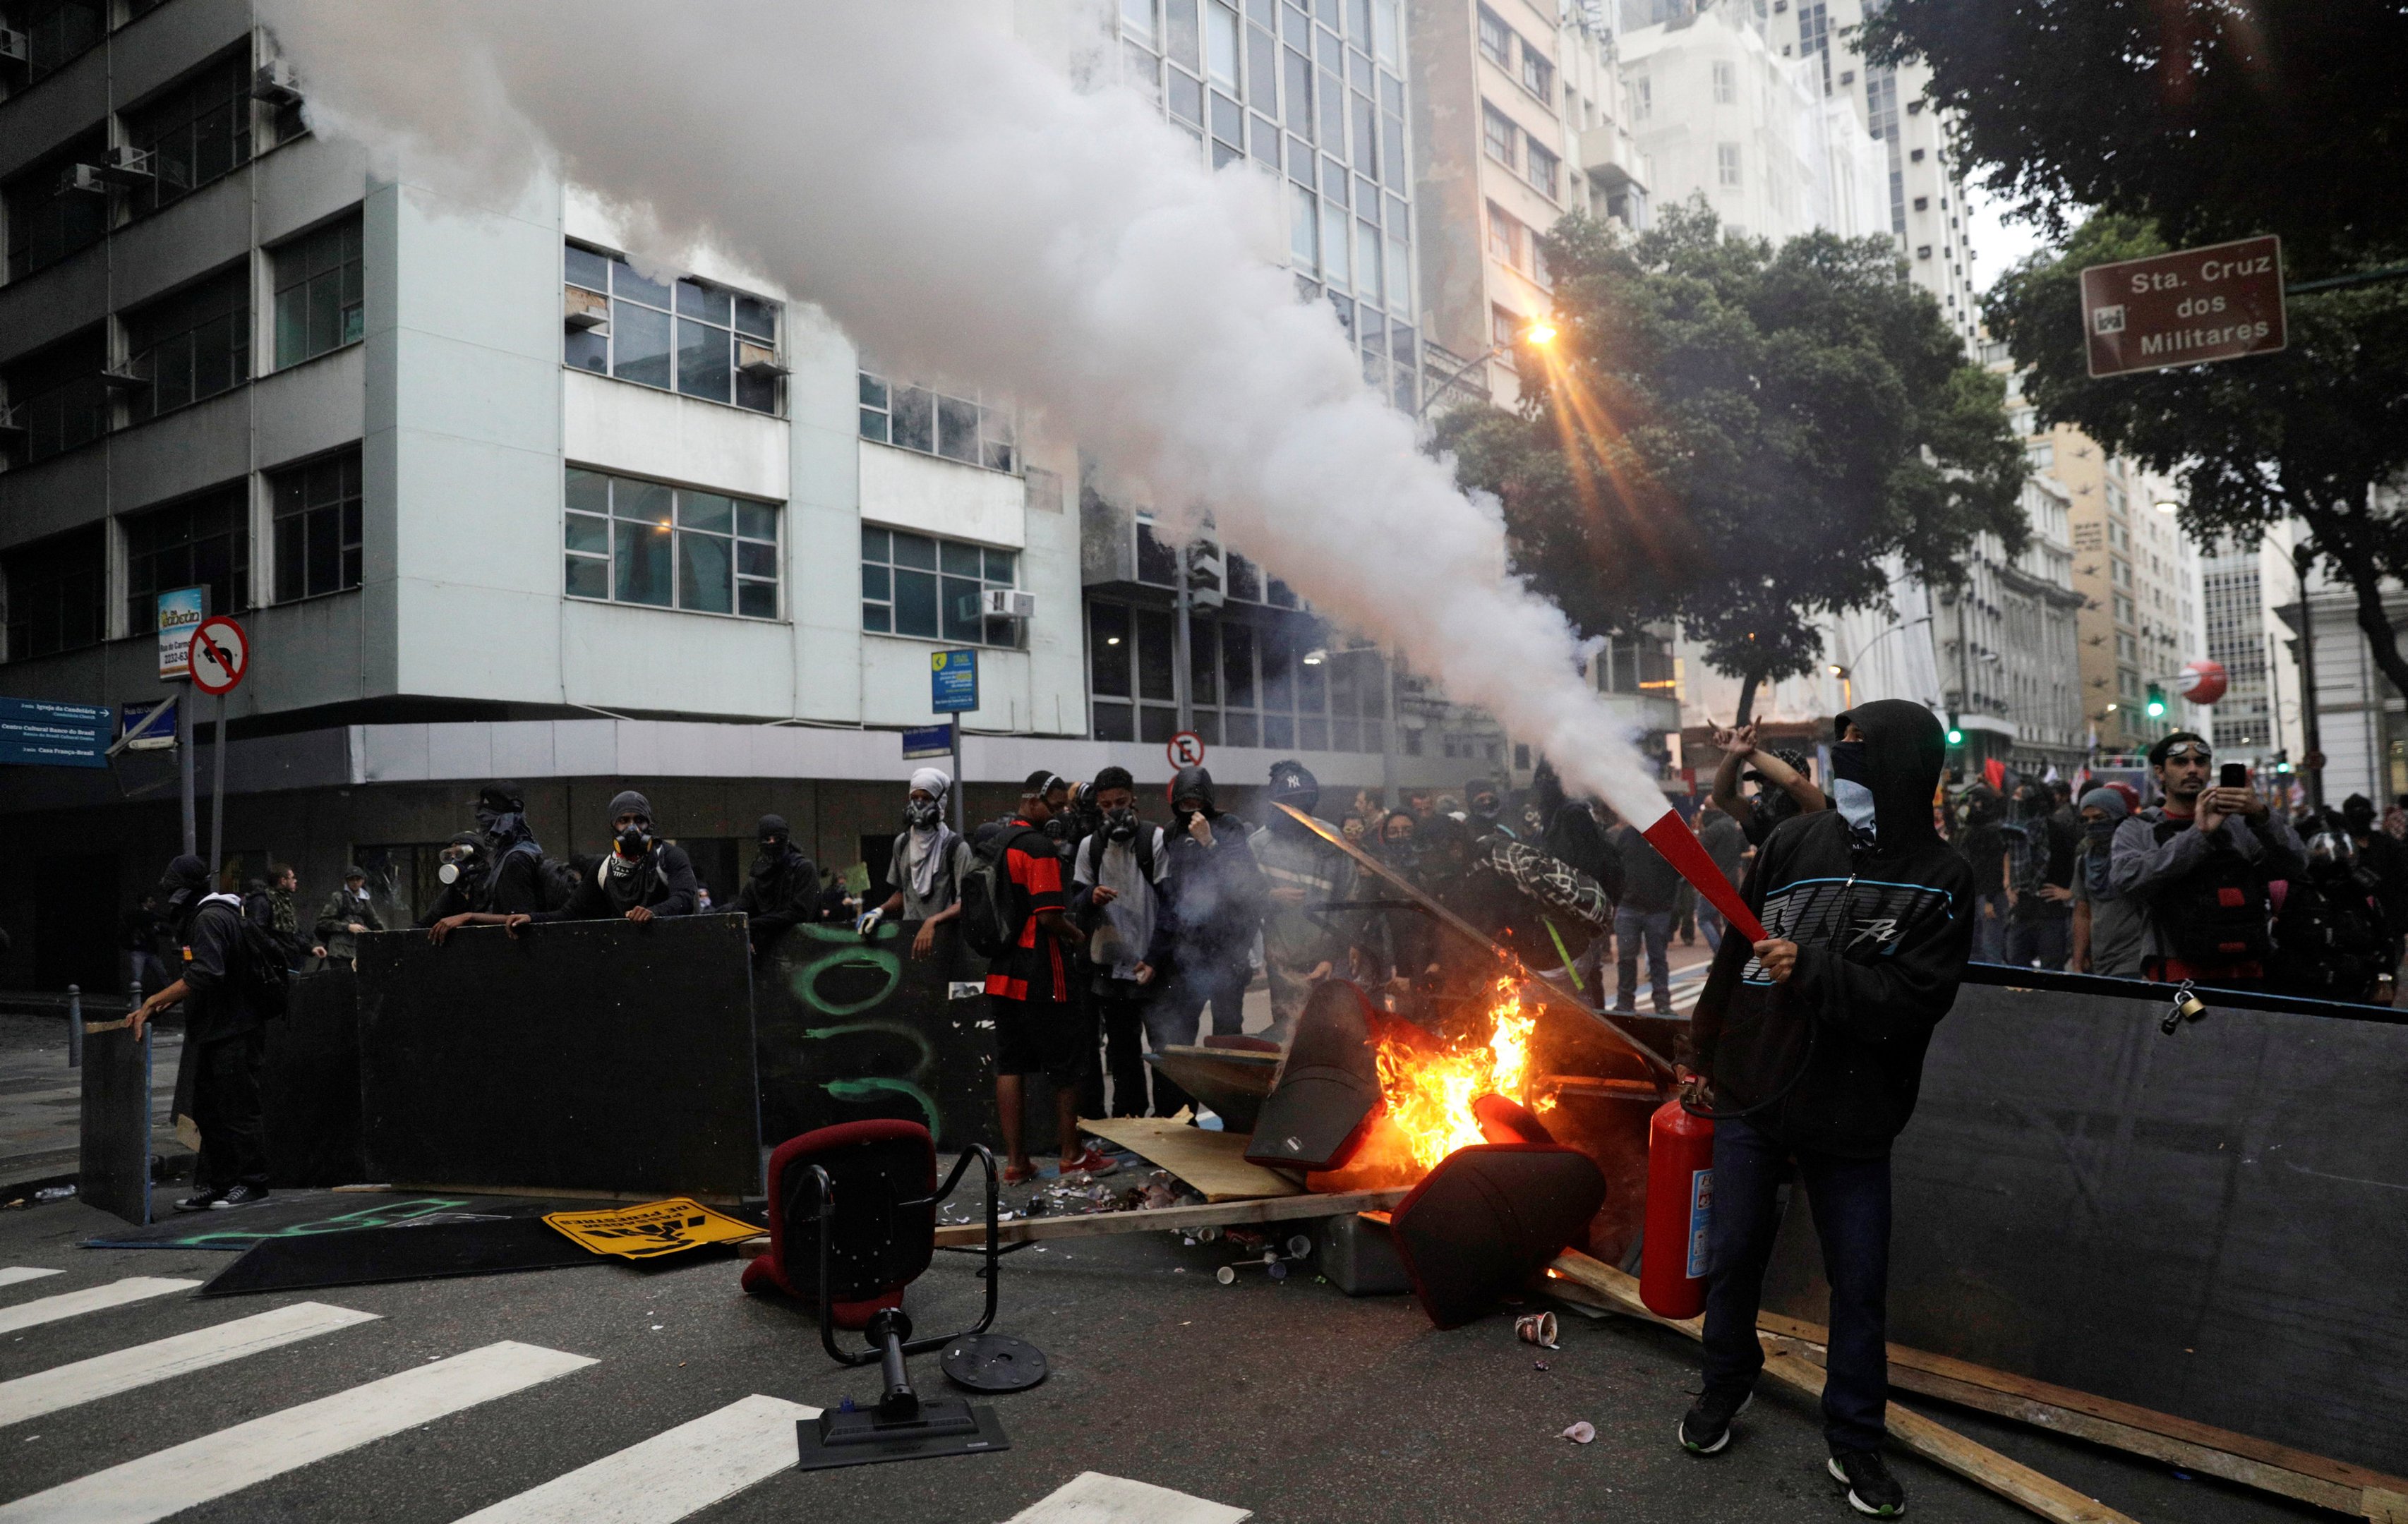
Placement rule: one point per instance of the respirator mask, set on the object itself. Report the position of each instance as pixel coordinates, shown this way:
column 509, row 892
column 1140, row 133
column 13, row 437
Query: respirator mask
column 920, row 814
column 633, row 841
column 1120, row 824
column 458, row 862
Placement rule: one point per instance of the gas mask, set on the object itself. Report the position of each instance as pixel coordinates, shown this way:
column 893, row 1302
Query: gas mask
column 633, row 841
column 1120, row 824
column 1484, row 807
column 1850, row 793
column 1056, row 827
column 459, row 862
column 920, row 814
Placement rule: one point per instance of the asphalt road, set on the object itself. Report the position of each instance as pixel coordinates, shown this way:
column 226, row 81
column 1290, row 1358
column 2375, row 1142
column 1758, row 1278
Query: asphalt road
column 1287, row 1399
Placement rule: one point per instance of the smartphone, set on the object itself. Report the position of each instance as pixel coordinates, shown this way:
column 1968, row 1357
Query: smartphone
column 2234, row 776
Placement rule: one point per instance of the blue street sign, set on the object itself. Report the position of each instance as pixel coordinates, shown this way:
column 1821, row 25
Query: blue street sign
column 930, row 741
column 159, row 735
column 35, row 733
column 953, row 682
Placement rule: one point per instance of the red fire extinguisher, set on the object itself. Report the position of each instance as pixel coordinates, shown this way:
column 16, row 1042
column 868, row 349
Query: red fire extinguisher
column 1680, row 1207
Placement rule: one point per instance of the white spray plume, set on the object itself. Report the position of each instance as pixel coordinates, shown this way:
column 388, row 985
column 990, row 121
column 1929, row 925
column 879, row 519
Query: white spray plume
column 960, row 207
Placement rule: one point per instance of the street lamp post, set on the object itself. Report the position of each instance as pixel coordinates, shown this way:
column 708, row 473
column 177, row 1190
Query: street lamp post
column 1540, row 334
column 1846, row 671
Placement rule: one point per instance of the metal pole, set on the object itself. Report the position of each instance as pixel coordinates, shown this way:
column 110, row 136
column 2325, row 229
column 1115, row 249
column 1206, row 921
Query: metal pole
column 1389, row 740
column 184, row 768
column 1178, row 672
column 955, row 792
column 75, row 1024
column 217, row 793
column 2301, row 559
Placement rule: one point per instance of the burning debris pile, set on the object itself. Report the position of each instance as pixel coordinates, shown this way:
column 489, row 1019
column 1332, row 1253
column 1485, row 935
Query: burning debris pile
column 1436, row 1097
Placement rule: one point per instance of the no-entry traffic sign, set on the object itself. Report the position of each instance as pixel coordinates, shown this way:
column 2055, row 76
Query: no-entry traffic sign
column 221, row 654
column 2218, row 303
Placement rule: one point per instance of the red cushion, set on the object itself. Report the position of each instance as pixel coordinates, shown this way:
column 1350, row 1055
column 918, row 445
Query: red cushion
column 766, row 1273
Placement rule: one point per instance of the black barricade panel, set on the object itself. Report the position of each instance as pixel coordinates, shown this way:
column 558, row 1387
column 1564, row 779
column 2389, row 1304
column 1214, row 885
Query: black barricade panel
column 309, row 1086
column 851, row 1029
column 2211, row 1222
column 114, row 1168
column 595, row 1056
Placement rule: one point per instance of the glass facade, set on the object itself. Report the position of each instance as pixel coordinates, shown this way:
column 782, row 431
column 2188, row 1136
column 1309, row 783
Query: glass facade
column 1318, row 96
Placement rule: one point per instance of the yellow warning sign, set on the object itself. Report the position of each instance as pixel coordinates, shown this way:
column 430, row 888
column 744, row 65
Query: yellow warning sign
column 652, row 1229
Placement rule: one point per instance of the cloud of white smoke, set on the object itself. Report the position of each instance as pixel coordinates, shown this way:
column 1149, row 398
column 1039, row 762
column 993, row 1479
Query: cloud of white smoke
column 961, row 208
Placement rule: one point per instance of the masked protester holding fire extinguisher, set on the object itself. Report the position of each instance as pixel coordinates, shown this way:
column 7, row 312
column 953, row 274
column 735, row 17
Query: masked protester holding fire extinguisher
column 1809, row 1047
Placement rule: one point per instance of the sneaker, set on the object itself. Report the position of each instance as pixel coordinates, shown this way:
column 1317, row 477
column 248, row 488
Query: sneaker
column 1705, row 1429
column 1015, row 1175
column 1871, row 1489
column 244, row 1194
column 1093, row 1161
column 201, row 1201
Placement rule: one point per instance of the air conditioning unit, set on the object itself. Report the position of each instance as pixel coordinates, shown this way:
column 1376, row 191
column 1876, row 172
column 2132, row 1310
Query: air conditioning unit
column 1007, row 604
column 15, row 47
column 276, row 82
column 758, row 360
column 87, row 179
column 584, row 310
column 129, row 167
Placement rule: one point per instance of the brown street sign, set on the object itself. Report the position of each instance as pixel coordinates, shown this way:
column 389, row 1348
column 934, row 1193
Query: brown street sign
column 2218, row 303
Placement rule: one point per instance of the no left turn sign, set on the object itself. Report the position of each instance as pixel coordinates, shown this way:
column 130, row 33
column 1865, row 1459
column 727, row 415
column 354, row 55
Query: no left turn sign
column 221, row 654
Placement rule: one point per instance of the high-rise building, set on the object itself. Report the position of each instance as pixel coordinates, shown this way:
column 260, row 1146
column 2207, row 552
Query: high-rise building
column 2138, row 578
column 2240, row 584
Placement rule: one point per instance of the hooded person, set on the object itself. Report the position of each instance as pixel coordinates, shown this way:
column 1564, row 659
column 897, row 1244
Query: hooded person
column 1983, row 843
column 1810, row 1047
column 2042, row 844
column 1304, row 871
column 781, row 888
column 1213, row 900
column 2329, row 942
column 2106, row 925
column 514, row 875
column 226, row 1045
column 640, row 878
column 2385, row 863
column 926, row 866
column 1116, row 895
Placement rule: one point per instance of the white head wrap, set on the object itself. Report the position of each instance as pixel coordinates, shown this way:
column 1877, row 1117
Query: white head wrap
column 932, row 779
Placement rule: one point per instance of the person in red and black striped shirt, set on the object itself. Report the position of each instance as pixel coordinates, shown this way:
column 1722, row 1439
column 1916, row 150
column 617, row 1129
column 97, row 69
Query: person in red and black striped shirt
column 1037, row 1026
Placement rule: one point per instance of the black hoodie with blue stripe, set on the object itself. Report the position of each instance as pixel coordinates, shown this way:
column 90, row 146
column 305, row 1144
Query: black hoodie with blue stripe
column 1833, row 1059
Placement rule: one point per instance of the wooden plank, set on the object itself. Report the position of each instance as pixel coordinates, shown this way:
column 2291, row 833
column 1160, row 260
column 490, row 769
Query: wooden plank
column 1213, row 1162
column 1935, row 1441
column 1167, row 1218
column 2064, row 1408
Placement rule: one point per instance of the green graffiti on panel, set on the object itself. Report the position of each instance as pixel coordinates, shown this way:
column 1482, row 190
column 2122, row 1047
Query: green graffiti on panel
column 866, row 1090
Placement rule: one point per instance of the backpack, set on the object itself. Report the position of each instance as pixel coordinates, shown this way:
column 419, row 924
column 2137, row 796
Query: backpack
column 2329, row 942
column 990, row 919
column 1143, row 843
column 2214, row 916
column 260, row 967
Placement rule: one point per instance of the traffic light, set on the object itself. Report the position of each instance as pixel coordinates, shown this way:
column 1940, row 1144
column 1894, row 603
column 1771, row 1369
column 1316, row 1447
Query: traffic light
column 1955, row 732
column 2157, row 701
column 1205, row 573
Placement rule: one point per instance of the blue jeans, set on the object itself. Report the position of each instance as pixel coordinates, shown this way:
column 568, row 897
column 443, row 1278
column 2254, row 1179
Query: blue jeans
column 1850, row 1198
column 1990, row 927
column 1632, row 927
column 1710, row 924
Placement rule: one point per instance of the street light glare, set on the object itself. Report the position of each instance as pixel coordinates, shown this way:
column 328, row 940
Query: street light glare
column 2167, row 505
column 1541, row 332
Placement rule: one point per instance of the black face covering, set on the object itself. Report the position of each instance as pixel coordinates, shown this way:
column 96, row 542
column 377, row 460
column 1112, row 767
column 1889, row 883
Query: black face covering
column 1181, row 821
column 1121, row 824
column 633, row 841
column 920, row 814
column 1483, row 809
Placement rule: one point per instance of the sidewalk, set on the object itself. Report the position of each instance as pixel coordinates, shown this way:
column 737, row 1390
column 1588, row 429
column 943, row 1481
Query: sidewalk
column 41, row 1099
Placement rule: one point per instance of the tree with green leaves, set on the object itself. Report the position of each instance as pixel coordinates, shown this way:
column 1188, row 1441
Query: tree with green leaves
column 2308, row 432
column 2213, row 120
column 1737, row 438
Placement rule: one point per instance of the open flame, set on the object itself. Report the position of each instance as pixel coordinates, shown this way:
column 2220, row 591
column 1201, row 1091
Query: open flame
column 1428, row 1094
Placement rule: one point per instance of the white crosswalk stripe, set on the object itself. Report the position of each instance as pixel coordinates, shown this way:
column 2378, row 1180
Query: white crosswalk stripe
column 105, row 1375
column 12, row 1275
column 669, row 1475
column 1094, row 1498
column 214, row 1465
column 116, row 1293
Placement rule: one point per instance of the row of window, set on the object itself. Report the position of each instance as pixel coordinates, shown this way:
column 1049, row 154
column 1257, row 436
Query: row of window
column 937, row 423
column 186, row 347
column 688, row 335
column 1511, row 51
column 56, row 588
column 629, row 541
column 194, row 133
column 930, row 588
column 1504, row 141
column 1253, row 679
column 1514, row 243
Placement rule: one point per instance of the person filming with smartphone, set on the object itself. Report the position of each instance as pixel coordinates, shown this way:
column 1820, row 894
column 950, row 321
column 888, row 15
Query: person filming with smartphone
column 2199, row 864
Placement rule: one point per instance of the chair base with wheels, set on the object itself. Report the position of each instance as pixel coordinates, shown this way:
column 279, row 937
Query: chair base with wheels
column 852, row 1221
